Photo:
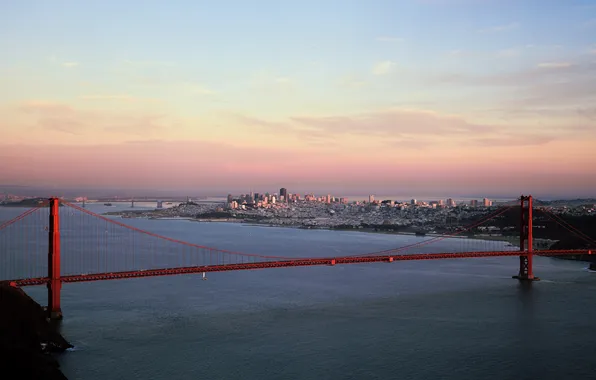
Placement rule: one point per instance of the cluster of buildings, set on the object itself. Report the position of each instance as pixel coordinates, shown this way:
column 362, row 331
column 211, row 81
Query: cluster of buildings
column 7, row 198
column 267, row 200
column 310, row 211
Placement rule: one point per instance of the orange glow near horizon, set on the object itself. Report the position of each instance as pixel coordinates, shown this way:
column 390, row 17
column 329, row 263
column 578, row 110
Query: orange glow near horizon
column 305, row 108
column 217, row 166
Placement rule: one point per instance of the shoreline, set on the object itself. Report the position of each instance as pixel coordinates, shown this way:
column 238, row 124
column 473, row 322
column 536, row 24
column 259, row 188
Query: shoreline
column 512, row 240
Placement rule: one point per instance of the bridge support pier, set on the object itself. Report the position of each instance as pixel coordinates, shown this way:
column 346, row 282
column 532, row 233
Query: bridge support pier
column 54, row 282
column 526, row 241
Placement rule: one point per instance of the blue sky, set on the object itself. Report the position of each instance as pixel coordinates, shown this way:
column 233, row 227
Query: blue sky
column 327, row 79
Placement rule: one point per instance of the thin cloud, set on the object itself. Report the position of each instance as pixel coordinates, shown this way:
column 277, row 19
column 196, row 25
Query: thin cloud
column 118, row 97
column 500, row 28
column 589, row 113
column 555, row 95
column 389, row 39
column 411, row 126
column 65, row 125
column 541, row 74
column 265, row 78
column 44, row 107
column 513, row 140
column 590, row 23
column 149, row 63
column 136, row 125
column 393, row 122
column 456, row 52
column 50, row 116
column 70, row 64
column 508, row 53
column 198, row 89
column 554, row 65
column 383, row 68
column 352, row 82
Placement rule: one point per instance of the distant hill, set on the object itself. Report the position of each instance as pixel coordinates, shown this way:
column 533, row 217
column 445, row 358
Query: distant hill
column 31, row 202
column 566, row 202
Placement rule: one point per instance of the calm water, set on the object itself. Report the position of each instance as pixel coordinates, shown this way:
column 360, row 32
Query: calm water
column 451, row 319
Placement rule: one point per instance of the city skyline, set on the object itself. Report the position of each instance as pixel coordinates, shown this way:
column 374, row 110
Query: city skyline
column 424, row 97
column 141, row 194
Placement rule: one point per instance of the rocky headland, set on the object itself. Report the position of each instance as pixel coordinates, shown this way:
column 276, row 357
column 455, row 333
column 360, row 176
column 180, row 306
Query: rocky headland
column 27, row 339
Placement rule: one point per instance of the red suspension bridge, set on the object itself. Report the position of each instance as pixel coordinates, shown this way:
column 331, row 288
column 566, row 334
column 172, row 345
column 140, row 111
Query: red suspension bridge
column 59, row 242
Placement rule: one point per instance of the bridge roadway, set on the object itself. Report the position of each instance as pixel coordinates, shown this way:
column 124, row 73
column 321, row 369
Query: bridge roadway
column 299, row 262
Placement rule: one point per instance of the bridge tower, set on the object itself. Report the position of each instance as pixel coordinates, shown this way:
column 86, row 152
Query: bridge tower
column 526, row 241
column 54, row 281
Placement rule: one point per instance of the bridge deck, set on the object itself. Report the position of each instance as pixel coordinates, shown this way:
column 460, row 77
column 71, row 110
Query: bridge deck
column 294, row 263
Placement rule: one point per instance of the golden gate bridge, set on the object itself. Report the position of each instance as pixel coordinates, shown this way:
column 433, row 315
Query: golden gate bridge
column 59, row 242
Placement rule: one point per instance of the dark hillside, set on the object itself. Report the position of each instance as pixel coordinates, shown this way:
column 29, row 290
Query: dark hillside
column 27, row 338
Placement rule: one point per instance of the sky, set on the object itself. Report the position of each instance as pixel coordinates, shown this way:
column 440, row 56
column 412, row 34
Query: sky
column 454, row 97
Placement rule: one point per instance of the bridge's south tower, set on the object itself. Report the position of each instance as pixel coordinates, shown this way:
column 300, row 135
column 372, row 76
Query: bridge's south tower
column 525, row 240
column 54, row 281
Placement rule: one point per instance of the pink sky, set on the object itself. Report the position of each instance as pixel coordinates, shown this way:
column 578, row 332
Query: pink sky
column 492, row 106
column 202, row 167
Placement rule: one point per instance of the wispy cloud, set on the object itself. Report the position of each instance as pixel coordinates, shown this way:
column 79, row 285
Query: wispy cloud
column 267, row 81
column 508, row 53
column 589, row 23
column 390, row 39
column 409, row 127
column 589, row 113
column 554, row 65
column 552, row 92
column 351, row 81
column 393, row 122
column 200, row 90
column 513, row 140
column 53, row 59
column 148, row 63
column 44, row 106
column 283, row 80
column 585, row 7
column 500, row 28
column 401, row 124
column 455, row 53
column 68, row 126
column 467, row 54
column 541, row 74
column 60, row 117
column 118, row 97
column 383, row 68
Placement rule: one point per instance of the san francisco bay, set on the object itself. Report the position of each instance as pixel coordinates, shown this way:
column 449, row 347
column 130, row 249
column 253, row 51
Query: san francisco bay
column 446, row 319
